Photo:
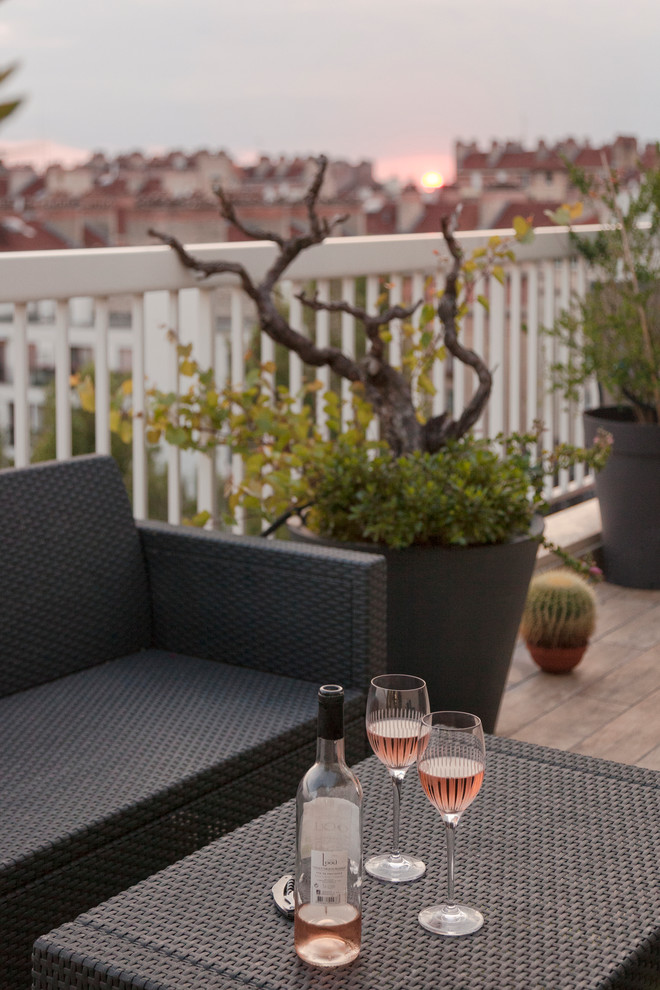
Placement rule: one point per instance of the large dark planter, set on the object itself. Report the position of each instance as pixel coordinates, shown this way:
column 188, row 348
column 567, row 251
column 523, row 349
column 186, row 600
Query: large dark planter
column 453, row 615
column 628, row 490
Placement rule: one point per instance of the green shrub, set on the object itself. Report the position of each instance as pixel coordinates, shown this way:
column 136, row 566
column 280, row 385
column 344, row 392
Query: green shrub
column 465, row 494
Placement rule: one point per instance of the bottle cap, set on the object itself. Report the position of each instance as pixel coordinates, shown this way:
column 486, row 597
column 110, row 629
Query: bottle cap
column 331, row 691
column 331, row 712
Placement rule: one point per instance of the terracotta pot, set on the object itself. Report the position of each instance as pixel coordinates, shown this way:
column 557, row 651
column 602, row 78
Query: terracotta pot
column 556, row 659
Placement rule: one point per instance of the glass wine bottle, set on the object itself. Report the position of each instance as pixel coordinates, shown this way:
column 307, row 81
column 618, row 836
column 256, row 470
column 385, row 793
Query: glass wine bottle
column 328, row 904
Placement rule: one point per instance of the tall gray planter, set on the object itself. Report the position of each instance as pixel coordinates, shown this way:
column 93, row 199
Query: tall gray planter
column 453, row 615
column 628, row 490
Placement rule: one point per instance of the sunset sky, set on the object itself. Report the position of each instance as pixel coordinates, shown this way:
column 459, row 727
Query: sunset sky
column 395, row 82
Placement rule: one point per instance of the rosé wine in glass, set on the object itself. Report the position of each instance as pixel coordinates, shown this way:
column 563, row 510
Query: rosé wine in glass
column 395, row 706
column 451, row 760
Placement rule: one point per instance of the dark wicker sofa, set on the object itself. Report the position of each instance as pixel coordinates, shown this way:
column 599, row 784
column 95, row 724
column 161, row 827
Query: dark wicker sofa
column 157, row 687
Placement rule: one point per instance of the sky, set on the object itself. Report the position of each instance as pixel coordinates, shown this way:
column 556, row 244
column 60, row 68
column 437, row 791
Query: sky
column 393, row 81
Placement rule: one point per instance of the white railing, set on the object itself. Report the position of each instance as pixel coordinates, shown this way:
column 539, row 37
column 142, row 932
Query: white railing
column 56, row 300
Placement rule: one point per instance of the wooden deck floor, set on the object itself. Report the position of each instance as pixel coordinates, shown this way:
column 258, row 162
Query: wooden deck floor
column 608, row 706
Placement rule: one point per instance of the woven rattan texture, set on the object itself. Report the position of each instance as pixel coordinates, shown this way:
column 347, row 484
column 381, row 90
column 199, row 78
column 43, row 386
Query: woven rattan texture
column 112, row 772
column 73, row 582
column 191, row 749
column 282, row 609
column 93, row 877
column 558, row 851
column 176, row 724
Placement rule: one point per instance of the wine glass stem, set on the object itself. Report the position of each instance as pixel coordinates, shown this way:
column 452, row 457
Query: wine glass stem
column 396, row 813
column 450, row 830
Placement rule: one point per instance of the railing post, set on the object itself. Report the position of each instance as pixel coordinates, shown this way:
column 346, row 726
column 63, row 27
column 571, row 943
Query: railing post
column 348, row 347
column 21, row 386
column 373, row 292
column 140, row 500
column 497, row 300
column 237, row 372
column 548, row 319
column 515, row 289
column 564, row 417
column 172, row 382
column 63, row 441
column 295, row 364
column 101, row 379
column 478, row 337
column 322, row 340
column 206, row 474
column 396, row 296
column 532, row 356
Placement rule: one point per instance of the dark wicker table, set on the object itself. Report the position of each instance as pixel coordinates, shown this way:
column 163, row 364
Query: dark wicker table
column 559, row 851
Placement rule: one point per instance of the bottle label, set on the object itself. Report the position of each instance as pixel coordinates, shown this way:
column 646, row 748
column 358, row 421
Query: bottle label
column 329, row 877
column 329, row 824
column 331, row 840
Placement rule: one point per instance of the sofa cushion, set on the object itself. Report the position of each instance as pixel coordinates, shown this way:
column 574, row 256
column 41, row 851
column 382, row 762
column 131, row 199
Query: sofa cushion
column 111, row 748
column 73, row 584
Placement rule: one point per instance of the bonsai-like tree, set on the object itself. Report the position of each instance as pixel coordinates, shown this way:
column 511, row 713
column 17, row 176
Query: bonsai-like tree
column 427, row 480
column 387, row 389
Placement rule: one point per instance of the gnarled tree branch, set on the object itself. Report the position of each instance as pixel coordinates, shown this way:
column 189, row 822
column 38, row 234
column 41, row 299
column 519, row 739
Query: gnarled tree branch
column 207, row 268
column 372, row 322
column 439, row 429
column 386, row 388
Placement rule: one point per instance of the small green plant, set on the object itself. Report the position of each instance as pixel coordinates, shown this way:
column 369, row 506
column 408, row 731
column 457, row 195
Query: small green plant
column 560, row 611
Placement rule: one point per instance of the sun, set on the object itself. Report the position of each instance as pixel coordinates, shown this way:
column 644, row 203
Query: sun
column 432, row 180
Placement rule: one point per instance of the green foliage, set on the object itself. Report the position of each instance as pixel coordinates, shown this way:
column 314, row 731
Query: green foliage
column 614, row 332
column 9, row 106
column 471, row 492
column 83, row 438
column 560, row 610
column 463, row 495
column 275, row 432
column 82, row 424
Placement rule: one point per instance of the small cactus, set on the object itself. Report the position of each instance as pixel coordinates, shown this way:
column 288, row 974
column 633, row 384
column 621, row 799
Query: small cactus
column 560, row 610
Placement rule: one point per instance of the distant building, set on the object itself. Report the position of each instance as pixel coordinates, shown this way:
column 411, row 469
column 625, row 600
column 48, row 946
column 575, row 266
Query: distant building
column 115, row 201
column 507, row 179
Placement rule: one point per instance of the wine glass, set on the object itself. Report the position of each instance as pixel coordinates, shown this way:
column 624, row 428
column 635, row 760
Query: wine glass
column 451, row 759
column 395, row 706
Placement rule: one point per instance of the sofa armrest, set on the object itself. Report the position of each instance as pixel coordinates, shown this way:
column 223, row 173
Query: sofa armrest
column 309, row 612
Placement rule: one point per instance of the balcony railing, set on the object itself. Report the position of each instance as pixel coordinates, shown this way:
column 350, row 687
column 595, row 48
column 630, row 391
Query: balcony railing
column 120, row 302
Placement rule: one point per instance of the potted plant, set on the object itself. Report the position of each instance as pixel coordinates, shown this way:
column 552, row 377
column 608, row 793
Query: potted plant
column 387, row 496
column 613, row 334
column 558, row 619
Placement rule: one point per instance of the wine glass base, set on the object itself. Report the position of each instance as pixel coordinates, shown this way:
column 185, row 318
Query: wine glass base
column 457, row 919
column 395, row 869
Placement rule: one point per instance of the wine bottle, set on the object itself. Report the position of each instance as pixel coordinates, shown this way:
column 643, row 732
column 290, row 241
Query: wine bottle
column 328, row 904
